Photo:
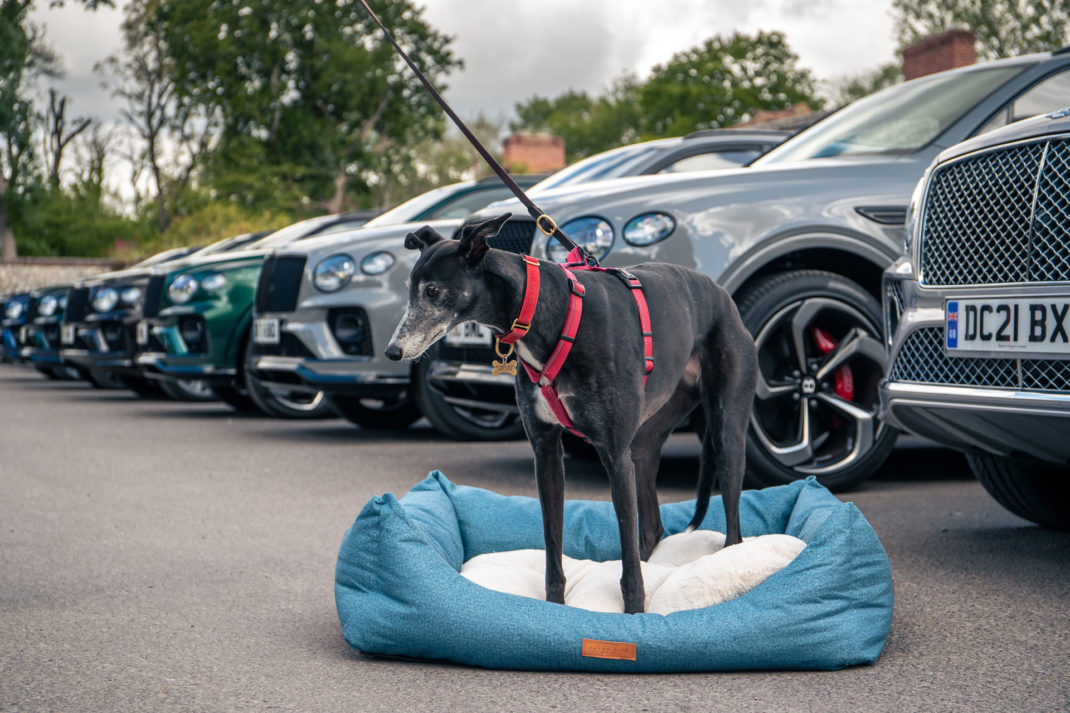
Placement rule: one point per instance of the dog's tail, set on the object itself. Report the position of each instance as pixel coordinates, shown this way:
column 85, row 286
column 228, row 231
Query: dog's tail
column 706, row 473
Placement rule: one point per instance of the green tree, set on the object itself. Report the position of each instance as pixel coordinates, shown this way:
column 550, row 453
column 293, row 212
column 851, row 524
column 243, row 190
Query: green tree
column 723, row 82
column 311, row 98
column 1003, row 28
column 588, row 124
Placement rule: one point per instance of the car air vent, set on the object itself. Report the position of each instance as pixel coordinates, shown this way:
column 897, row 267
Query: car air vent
column 77, row 301
column 279, row 283
column 885, row 215
column 153, row 292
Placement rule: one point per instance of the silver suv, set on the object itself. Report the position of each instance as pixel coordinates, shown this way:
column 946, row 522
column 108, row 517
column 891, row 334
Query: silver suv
column 801, row 239
column 978, row 314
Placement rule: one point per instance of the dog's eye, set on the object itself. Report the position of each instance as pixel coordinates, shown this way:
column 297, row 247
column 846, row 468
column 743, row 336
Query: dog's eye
column 431, row 291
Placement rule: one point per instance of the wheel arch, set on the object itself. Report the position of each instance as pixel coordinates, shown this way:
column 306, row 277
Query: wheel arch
column 851, row 258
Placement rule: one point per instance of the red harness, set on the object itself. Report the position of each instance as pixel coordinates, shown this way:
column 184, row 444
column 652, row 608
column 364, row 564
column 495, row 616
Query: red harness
column 521, row 325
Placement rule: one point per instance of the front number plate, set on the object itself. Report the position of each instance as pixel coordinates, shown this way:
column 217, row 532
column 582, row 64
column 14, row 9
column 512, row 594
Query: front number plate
column 469, row 334
column 142, row 333
column 67, row 334
column 266, row 330
column 1028, row 326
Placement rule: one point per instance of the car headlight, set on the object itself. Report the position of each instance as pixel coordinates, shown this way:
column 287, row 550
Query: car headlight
column 130, row 296
column 105, row 299
column 333, row 273
column 13, row 310
column 648, row 228
column 182, row 289
column 376, row 263
column 63, row 302
column 47, row 306
column 593, row 233
column 213, row 282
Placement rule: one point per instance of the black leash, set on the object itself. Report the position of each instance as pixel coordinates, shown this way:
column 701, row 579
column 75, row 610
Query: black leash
column 544, row 222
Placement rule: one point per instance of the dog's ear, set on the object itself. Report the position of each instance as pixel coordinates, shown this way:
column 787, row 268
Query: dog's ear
column 425, row 237
column 473, row 242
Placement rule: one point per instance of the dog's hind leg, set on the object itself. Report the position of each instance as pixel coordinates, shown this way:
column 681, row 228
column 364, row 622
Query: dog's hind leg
column 646, row 455
column 729, row 373
column 550, row 481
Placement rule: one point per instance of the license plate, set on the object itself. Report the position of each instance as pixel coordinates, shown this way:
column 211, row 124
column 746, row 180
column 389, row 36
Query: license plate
column 266, row 331
column 469, row 334
column 67, row 334
column 142, row 333
column 1033, row 326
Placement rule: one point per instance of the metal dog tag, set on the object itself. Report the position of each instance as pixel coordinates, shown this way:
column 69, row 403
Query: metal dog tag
column 506, row 365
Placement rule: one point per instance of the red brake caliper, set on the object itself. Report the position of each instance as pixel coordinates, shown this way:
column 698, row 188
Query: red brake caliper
column 845, row 382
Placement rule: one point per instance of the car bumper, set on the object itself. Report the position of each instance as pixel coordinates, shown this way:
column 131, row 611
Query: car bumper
column 1006, row 405
column 473, row 385
column 310, row 354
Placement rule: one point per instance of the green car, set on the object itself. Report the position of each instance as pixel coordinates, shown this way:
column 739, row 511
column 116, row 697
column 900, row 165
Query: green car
column 196, row 320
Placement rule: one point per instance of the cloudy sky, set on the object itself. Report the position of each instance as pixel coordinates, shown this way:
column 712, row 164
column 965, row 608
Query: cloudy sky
column 514, row 49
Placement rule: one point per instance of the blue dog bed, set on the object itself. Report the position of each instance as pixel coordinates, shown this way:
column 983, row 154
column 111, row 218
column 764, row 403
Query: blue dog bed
column 399, row 591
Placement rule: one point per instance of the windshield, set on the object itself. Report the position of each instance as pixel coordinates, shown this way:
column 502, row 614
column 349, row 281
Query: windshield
column 407, row 211
column 165, row 256
column 608, row 164
column 900, row 119
column 285, row 236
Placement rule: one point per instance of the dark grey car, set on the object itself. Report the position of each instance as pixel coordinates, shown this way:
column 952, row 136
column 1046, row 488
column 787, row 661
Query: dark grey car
column 800, row 238
column 978, row 314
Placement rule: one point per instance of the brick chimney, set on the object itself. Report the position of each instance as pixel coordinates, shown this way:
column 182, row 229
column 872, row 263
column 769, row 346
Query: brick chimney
column 533, row 153
column 947, row 50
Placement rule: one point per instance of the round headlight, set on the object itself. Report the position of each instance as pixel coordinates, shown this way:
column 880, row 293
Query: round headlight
column 63, row 302
column 13, row 310
column 47, row 306
column 213, row 282
column 130, row 295
column 333, row 273
column 648, row 228
column 105, row 299
column 594, row 234
column 182, row 289
column 377, row 263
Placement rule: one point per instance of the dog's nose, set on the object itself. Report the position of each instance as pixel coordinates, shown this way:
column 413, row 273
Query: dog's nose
column 393, row 352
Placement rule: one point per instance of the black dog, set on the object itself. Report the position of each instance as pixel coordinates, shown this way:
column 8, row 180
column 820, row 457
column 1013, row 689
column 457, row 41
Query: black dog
column 702, row 353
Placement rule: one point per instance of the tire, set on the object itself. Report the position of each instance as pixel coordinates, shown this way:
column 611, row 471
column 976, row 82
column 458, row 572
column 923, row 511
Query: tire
column 1038, row 492
column 187, row 390
column 463, row 423
column 47, row 372
column 376, row 414
column 104, row 379
column 144, row 388
column 297, row 404
column 813, row 416
column 235, row 398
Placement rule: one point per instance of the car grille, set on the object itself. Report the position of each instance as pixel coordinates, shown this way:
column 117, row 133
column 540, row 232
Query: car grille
column 77, row 301
column 922, row 360
column 290, row 345
column 515, row 236
column 280, row 279
column 999, row 217
column 31, row 310
column 153, row 293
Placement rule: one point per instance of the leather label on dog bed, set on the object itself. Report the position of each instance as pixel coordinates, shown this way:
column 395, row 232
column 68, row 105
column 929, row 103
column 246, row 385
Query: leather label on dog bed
column 620, row 650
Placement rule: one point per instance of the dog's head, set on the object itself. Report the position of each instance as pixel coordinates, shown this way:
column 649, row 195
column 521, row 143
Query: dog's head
column 445, row 286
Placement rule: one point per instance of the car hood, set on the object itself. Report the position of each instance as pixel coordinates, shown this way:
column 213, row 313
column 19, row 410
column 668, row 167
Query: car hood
column 363, row 240
column 225, row 261
column 740, row 185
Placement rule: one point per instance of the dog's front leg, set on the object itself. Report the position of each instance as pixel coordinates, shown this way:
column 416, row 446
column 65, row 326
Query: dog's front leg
column 621, row 473
column 550, row 480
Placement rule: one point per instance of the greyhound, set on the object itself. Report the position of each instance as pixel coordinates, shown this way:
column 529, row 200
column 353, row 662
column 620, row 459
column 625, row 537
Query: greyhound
column 702, row 352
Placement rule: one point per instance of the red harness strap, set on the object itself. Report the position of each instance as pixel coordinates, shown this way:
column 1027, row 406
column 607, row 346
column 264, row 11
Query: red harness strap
column 545, row 378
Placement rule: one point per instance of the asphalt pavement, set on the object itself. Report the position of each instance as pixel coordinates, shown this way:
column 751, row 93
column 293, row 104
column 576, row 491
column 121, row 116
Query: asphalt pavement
column 157, row 556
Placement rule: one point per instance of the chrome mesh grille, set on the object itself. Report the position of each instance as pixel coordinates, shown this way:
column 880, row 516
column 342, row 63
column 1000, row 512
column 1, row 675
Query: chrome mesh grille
column 922, row 360
column 982, row 225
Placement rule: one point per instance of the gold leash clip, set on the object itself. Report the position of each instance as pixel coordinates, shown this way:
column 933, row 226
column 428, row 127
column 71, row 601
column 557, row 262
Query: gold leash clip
column 546, row 231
